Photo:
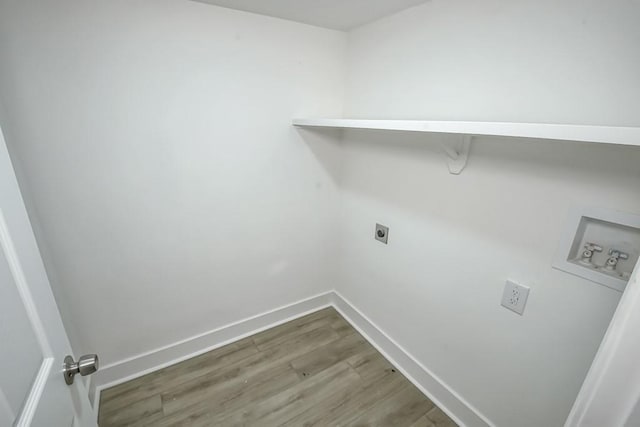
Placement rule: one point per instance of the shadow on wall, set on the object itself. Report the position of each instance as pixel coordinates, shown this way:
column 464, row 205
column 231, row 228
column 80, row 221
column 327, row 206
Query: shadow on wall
column 326, row 145
column 511, row 190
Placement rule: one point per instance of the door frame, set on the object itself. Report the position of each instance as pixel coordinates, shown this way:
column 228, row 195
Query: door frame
column 610, row 392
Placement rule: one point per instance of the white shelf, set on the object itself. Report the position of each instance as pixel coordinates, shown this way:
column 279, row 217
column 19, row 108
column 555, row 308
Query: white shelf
column 595, row 134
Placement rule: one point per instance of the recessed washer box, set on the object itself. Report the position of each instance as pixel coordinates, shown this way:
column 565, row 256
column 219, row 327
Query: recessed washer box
column 600, row 245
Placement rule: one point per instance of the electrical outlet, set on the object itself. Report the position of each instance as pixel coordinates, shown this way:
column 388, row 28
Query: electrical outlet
column 515, row 296
column 382, row 233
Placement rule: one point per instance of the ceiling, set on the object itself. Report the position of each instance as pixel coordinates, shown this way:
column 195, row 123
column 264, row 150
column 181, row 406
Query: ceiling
column 336, row 14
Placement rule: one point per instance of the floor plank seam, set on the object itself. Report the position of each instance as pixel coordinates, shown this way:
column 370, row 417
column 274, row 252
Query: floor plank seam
column 316, row 369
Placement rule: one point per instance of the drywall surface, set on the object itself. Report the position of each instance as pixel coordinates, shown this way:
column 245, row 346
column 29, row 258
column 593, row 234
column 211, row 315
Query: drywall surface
column 335, row 14
column 543, row 61
column 454, row 240
column 170, row 194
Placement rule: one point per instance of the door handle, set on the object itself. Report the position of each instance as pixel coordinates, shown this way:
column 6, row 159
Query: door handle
column 86, row 365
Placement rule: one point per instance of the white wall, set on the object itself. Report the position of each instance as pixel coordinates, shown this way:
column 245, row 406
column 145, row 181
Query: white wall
column 544, row 61
column 169, row 192
column 454, row 240
column 170, row 195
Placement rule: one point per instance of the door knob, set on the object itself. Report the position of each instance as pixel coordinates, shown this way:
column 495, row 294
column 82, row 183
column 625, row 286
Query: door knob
column 86, row 365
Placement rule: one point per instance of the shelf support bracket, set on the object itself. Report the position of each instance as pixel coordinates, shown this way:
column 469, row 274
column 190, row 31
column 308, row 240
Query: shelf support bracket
column 458, row 154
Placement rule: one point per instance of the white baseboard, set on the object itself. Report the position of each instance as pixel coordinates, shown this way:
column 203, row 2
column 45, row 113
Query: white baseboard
column 454, row 405
column 433, row 387
column 145, row 363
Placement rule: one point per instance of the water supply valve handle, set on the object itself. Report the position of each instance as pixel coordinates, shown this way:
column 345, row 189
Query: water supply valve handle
column 615, row 253
column 587, row 253
column 614, row 256
column 590, row 248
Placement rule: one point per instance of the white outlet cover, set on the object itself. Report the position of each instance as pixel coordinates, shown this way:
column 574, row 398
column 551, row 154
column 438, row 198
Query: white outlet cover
column 515, row 296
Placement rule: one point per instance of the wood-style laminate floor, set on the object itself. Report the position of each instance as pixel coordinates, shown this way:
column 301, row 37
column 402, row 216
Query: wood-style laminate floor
column 313, row 371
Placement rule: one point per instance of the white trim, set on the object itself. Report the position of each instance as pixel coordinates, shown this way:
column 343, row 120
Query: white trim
column 31, row 404
column 37, row 388
column 454, row 405
column 611, row 389
column 150, row 361
column 461, row 411
column 6, row 242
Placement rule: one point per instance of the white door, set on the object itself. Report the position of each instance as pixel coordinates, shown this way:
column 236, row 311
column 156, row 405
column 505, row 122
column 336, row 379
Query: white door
column 610, row 394
column 33, row 342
